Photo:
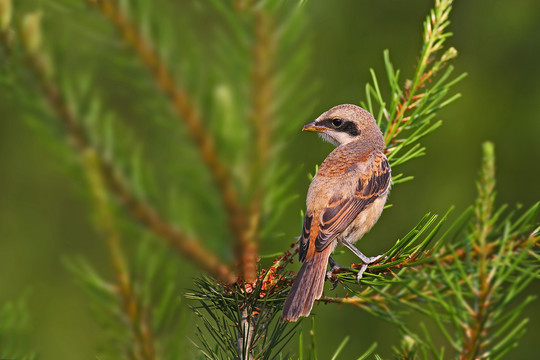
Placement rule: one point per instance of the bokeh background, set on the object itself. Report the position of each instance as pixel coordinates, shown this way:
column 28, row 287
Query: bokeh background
column 45, row 214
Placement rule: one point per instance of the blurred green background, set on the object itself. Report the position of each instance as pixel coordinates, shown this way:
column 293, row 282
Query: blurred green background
column 45, row 215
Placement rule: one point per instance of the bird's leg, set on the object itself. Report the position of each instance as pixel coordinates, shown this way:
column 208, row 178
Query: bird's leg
column 333, row 267
column 365, row 260
column 330, row 273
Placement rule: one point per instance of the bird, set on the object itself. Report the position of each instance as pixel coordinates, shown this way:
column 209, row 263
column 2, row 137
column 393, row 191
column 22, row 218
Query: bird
column 345, row 199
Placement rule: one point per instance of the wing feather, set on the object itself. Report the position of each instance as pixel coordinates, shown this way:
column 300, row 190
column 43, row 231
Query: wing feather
column 339, row 213
column 304, row 240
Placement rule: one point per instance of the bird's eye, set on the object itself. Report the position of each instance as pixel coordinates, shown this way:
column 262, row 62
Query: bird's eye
column 337, row 122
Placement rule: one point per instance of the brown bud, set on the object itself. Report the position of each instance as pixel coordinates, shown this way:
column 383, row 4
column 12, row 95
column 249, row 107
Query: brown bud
column 449, row 54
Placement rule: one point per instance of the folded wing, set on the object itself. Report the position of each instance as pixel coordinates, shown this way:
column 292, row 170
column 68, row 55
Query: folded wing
column 339, row 213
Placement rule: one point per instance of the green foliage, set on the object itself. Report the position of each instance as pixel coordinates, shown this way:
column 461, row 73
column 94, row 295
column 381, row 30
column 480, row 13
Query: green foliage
column 150, row 322
column 14, row 327
column 227, row 111
column 241, row 321
column 471, row 291
column 408, row 114
column 467, row 286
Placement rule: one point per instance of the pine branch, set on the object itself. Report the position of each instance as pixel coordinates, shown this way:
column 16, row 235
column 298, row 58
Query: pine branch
column 499, row 259
column 418, row 257
column 483, row 289
column 465, row 285
column 407, row 116
column 153, row 319
column 143, row 345
column 413, row 253
column 241, row 319
column 39, row 65
column 417, row 250
column 434, row 37
column 262, row 122
column 188, row 113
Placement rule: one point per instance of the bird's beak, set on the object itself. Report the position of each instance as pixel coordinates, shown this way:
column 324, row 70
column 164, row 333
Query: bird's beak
column 310, row 126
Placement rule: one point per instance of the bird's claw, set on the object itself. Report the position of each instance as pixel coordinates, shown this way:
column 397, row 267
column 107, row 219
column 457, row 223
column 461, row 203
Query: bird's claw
column 374, row 259
column 361, row 273
column 364, row 266
column 334, row 284
column 330, row 275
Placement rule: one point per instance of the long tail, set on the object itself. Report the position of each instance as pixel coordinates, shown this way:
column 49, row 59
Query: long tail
column 307, row 287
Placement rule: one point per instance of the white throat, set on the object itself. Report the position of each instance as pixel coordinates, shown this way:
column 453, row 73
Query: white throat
column 337, row 138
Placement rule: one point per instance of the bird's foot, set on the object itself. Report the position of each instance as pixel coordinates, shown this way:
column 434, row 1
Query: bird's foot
column 335, row 267
column 369, row 261
column 361, row 273
column 374, row 259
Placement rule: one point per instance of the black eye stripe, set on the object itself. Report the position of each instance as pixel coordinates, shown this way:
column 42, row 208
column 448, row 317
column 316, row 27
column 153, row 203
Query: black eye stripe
column 346, row 126
column 350, row 128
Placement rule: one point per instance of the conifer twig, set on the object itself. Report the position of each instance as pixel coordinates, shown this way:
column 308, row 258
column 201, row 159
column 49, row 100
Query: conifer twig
column 261, row 118
column 143, row 212
column 186, row 110
column 445, row 257
column 143, row 347
column 484, row 206
column 434, row 37
column 468, row 284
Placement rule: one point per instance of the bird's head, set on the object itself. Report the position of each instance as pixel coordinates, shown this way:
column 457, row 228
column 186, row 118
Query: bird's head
column 345, row 123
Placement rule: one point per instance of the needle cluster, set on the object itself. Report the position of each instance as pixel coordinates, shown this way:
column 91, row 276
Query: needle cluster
column 466, row 285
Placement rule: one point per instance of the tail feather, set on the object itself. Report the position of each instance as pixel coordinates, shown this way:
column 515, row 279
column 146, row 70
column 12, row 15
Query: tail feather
column 307, row 287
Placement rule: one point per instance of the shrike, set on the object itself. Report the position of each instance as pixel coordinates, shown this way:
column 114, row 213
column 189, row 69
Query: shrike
column 344, row 200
